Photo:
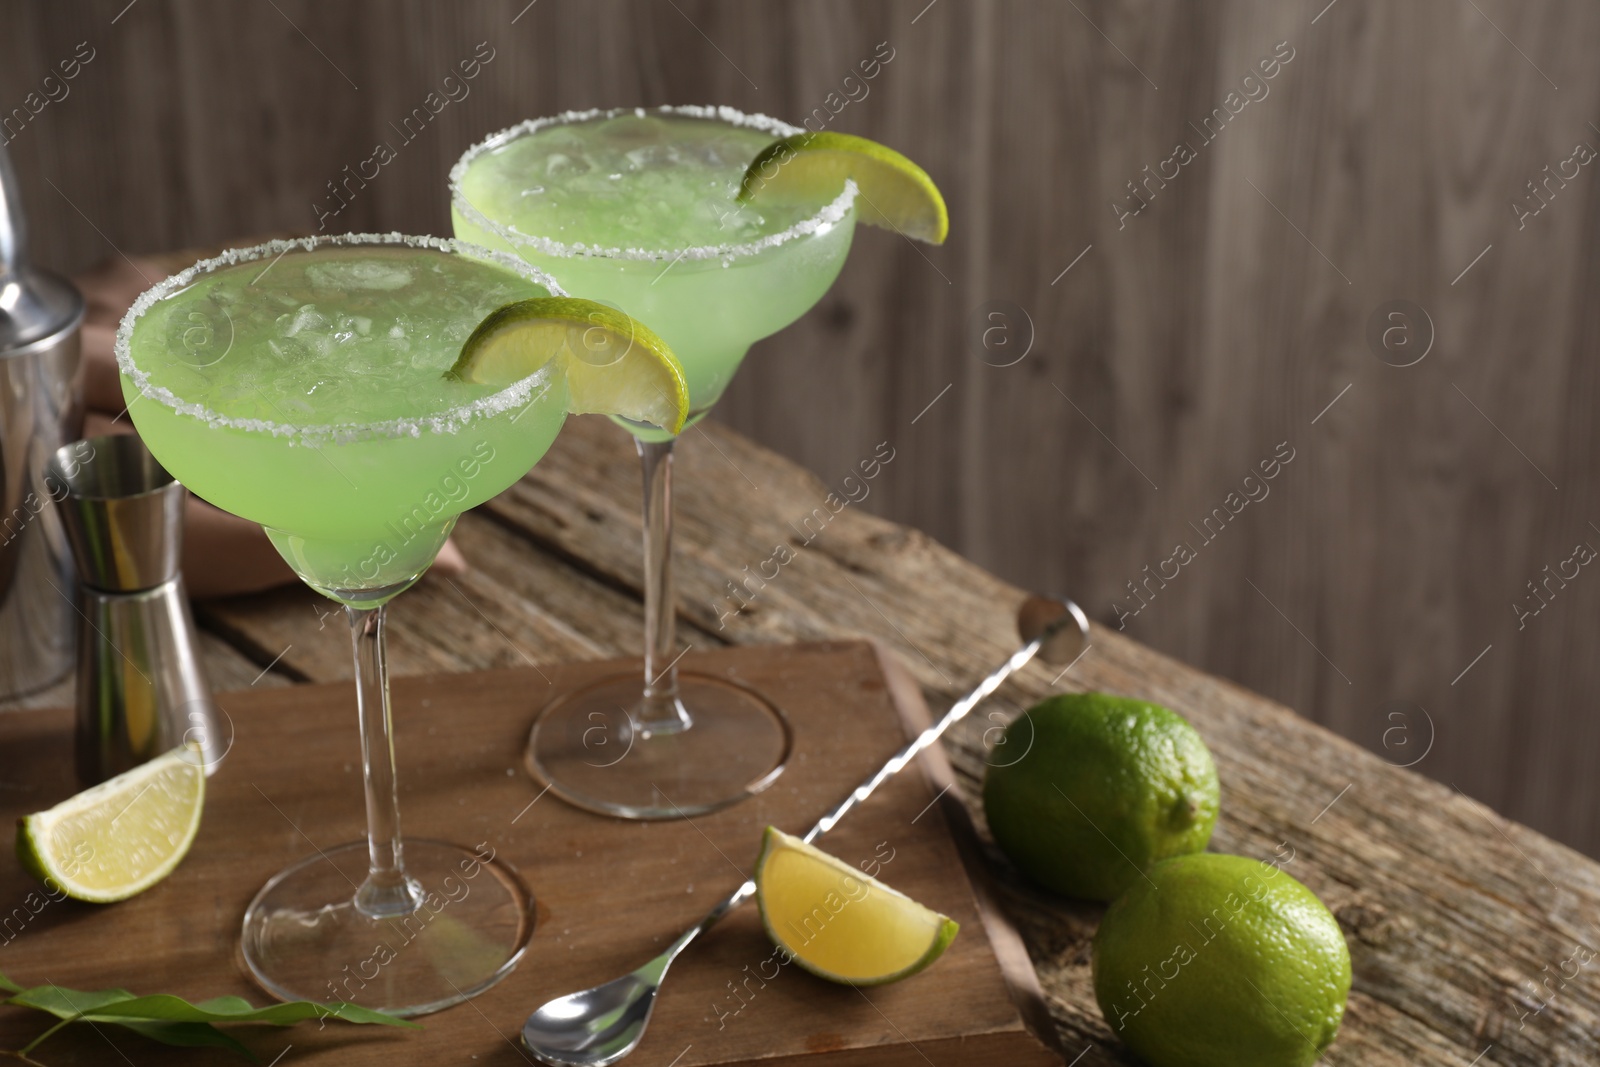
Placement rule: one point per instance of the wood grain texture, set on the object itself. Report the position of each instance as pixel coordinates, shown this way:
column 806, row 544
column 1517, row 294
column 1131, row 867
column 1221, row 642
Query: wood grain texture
column 1437, row 977
column 226, row 668
column 293, row 777
column 1185, row 344
column 1456, row 918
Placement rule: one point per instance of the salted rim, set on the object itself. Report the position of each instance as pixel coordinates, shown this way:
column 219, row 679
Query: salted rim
column 829, row 214
column 451, row 420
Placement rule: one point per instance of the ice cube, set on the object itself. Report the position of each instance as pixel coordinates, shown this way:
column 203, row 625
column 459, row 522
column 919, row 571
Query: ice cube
column 361, row 274
column 350, row 327
column 291, row 351
column 559, row 163
column 650, row 156
column 307, row 317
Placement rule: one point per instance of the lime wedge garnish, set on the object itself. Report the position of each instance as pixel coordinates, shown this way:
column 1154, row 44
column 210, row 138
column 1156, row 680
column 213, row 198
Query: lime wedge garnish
column 614, row 365
column 840, row 924
column 895, row 193
column 120, row 837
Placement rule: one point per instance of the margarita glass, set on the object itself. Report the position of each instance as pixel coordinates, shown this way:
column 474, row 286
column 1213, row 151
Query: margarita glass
column 301, row 384
column 636, row 208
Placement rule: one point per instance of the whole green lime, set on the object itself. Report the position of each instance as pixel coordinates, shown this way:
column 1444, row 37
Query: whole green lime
column 1221, row 961
column 1087, row 790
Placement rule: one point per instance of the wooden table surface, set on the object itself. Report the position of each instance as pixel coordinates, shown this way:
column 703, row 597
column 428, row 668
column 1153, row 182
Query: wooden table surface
column 1472, row 937
column 291, row 783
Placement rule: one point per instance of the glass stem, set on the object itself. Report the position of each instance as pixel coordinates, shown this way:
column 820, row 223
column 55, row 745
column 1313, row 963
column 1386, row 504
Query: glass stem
column 660, row 711
column 387, row 892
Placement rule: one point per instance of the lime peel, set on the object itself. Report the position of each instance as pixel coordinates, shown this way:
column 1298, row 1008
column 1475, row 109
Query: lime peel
column 893, row 192
column 1215, row 960
column 117, row 839
column 839, row 923
column 1086, row 790
column 612, row 363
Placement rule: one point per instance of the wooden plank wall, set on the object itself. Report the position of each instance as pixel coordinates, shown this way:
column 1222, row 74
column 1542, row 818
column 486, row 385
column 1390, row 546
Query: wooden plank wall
column 1372, row 583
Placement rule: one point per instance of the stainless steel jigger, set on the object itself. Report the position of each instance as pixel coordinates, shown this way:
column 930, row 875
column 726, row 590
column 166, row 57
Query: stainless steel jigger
column 141, row 691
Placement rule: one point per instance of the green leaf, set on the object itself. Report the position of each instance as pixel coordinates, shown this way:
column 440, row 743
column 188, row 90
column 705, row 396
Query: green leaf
column 69, row 1003
column 228, row 1004
column 188, row 1035
column 168, row 1008
column 172, row 1020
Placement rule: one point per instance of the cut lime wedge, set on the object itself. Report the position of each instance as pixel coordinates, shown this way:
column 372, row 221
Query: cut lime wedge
column 120, row 837
column 840, row 924
column 613, row 364
column 894, row 192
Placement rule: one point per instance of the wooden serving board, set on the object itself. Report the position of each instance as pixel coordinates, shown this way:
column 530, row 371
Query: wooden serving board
column 610, row 893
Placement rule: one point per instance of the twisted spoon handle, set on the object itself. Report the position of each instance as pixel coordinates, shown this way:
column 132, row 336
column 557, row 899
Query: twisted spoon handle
column 1072, row 617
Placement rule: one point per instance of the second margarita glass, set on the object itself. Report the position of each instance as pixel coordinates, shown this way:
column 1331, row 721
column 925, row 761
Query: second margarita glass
column 636, row 208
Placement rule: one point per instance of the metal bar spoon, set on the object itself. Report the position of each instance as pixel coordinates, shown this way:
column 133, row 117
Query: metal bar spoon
column 600, row 1026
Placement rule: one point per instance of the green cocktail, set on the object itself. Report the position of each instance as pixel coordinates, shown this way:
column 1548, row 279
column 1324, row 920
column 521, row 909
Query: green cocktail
column 636, row 208
column 308, row 394
column 303, row 385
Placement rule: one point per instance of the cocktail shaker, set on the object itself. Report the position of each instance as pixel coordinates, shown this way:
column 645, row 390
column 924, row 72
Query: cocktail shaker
column 40, row 409
column 141, row 689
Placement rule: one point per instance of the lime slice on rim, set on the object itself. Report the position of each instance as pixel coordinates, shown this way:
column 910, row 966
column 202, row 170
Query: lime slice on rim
column 895, row 193
column 120, row 837
column 614, row 365
column 840, row 924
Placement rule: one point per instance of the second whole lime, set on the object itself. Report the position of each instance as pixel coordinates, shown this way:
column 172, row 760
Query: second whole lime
column 1221, row 961
column 1086, row 791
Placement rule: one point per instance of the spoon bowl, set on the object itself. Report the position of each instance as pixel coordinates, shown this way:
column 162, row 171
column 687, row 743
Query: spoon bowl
column 595, row 1027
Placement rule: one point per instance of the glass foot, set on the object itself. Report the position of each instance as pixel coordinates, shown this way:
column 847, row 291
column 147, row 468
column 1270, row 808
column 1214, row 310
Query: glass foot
column 471, row 929
column 585, row 748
